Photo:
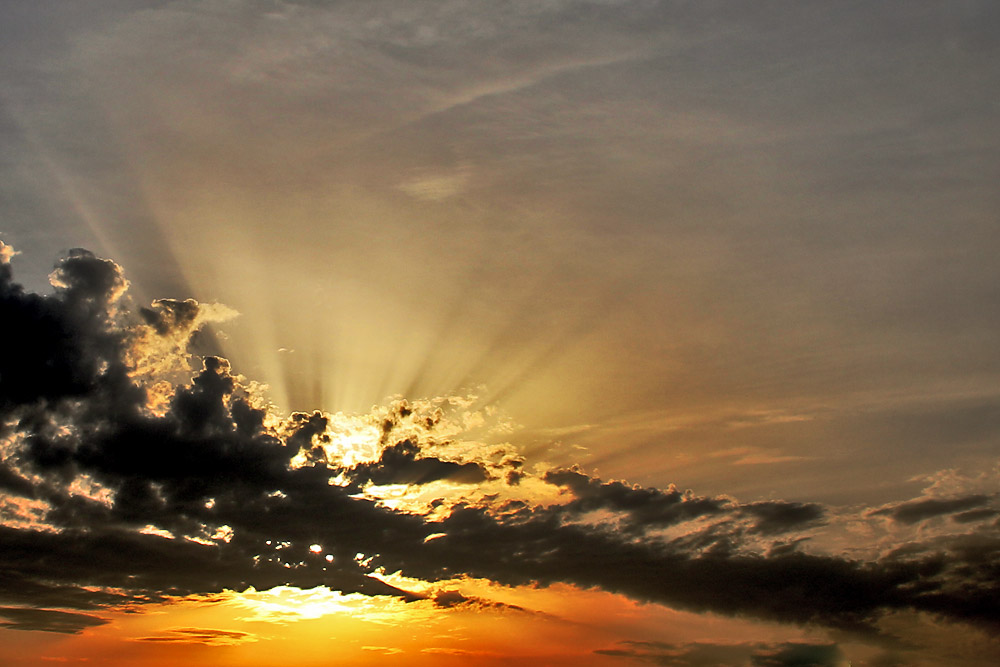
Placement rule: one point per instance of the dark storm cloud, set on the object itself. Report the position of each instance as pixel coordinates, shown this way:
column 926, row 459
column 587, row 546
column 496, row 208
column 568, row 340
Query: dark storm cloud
column 88, row 282
column 968, row 575
column 916, row 511
column 644, row 507
column 974, row 515
column 774, row 518
column 204, row 496
column 705, row 654
column 60, row 346
column 792, row 654
column 170, row 314
column 647, row 508
column 399, row 464
column 46, row 620
column 15, row 483
column 788, row 586
column 25, row 587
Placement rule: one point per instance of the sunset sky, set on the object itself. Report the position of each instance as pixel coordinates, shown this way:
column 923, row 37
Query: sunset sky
column 556, row 332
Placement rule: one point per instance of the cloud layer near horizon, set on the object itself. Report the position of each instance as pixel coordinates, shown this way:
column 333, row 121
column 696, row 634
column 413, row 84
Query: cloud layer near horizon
column 132, row 471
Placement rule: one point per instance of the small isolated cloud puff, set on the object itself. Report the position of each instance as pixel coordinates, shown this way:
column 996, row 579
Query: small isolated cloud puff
column 6, row 253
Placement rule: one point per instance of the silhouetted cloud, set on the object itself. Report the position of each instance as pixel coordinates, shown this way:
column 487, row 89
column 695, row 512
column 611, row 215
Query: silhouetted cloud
column 61, row 346
column 644, row 507
column 47, row 620
column 115, row 497
column 974, row 515
column 207, row 636
column 780, row 517
column 399, row 464
column 450, row 599
column 916, row 511
column 799, row 655
column 751, row 654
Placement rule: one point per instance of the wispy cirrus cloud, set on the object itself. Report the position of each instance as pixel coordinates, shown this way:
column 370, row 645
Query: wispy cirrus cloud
column 206, row 636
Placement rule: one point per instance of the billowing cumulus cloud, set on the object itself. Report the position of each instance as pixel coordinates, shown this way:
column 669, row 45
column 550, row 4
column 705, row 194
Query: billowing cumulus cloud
column 123, row 484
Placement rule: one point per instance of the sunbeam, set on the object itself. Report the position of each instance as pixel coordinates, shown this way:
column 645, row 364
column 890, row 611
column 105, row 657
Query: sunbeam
column 577, row 332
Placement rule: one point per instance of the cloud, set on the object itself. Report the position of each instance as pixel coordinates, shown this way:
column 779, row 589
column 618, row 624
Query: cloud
column 6, row 253
column 47, row 620
column 974, row 515
column 86, row 280
column 751, row 654
column 450, row 599
column 107, row 472
column 916, row 511
column 399, row 464
column 644, row 507
column 789, row 587
column 61, row 346
column 799, row 655
column 780, row 517
column 206, row 636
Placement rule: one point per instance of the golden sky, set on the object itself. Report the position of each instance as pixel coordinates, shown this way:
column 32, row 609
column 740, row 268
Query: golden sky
column 573, row 332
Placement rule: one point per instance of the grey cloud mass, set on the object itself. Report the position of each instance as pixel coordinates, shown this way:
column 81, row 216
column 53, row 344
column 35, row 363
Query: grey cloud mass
column 702, row 654
column 47, row 620
column 916, row 511
column 211, row 460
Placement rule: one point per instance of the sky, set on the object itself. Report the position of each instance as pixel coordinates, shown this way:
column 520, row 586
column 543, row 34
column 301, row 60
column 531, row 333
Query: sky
column 557, row 332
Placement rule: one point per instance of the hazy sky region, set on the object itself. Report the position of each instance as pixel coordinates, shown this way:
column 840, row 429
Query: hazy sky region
column 642, row 332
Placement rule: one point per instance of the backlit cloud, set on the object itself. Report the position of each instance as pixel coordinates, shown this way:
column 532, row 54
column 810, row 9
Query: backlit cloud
column 656, row 327
column 121, row 504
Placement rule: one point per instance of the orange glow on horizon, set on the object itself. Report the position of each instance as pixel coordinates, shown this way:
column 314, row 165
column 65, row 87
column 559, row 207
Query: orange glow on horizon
column 473, row 622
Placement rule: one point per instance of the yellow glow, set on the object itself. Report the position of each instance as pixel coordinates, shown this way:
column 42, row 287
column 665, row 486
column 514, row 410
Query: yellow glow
column 558, row 625
column 285, row 604
column 353, row 440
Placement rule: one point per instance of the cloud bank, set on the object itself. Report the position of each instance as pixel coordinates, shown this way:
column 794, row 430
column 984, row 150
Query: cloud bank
column 133, row 470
